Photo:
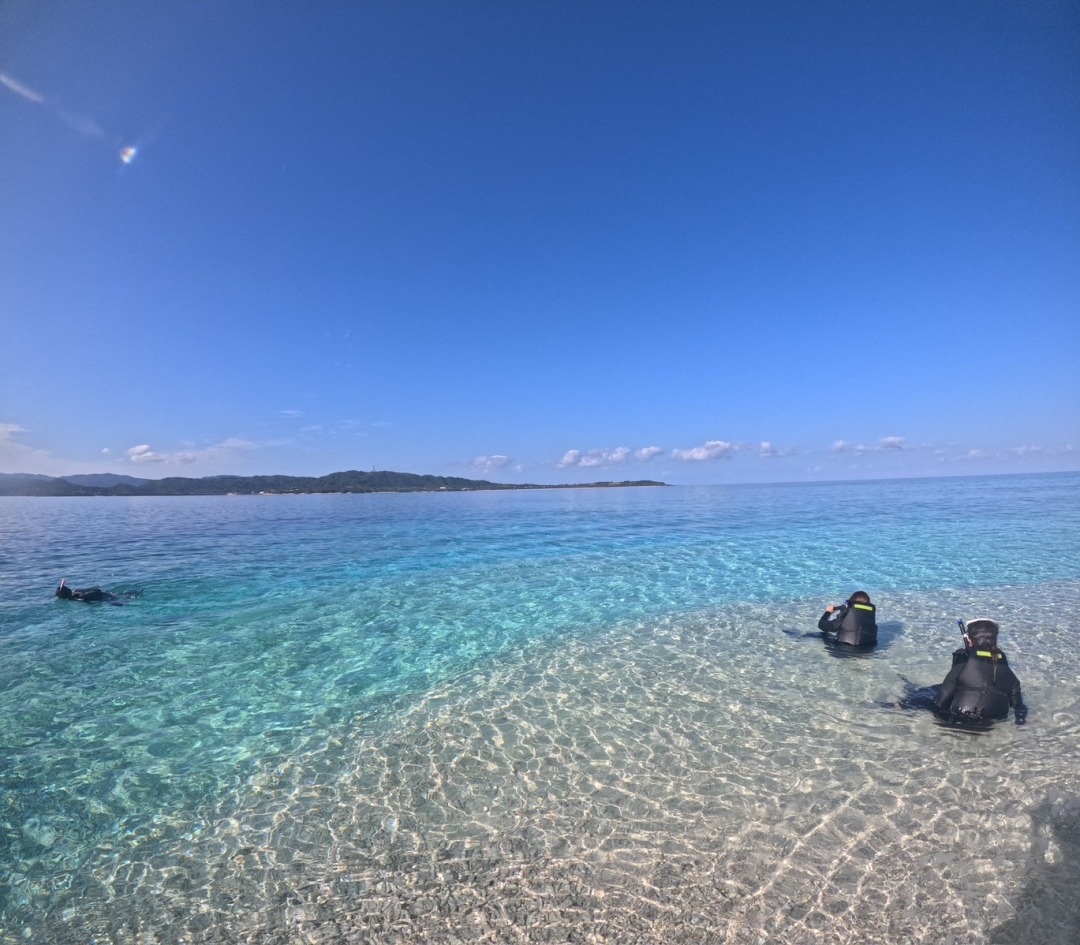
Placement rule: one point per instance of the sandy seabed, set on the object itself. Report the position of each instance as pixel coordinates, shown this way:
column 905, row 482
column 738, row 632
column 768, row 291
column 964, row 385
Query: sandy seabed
column 665, row 784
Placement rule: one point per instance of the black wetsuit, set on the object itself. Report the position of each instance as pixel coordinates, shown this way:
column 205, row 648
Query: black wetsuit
column 854, row 625
column 980, row 686
column 87, row 595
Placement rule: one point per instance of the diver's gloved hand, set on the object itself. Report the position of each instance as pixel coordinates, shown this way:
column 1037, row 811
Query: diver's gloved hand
column 1021, row 714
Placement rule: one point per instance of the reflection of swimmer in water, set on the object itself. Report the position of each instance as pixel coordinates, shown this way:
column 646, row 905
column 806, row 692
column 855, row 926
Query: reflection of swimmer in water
column 90, row 595
column 980, row 687
column 854, row 622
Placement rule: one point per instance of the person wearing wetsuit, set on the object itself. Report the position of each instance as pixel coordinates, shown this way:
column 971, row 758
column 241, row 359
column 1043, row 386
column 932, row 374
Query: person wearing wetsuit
column 854, row 622
column 87, row 595
column 980, row 686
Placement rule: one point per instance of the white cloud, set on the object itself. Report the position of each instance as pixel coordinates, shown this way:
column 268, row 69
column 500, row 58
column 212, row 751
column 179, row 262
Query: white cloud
column 647, row 453
column 594, row 458
column 892, row 442
column 713, row 449
column 291, row 413
column 841, row 446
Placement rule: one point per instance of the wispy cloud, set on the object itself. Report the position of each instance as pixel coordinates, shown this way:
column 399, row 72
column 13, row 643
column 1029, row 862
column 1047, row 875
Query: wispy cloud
column 143, row 454
column 233, row 443
column 18, row 457
column 1013, row 452
column 493, row 463
column 989, row 458
column 229, row 446
column 769, row 450
column 885, row 443
column 710, row 450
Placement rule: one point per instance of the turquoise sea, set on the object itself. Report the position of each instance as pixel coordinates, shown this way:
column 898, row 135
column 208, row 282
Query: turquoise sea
column 581, row 715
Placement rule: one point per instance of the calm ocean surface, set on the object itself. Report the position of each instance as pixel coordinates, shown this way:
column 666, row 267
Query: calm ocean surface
column 569, row 715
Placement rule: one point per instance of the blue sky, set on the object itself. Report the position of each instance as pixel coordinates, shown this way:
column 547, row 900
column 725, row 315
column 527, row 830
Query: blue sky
column 540, row 241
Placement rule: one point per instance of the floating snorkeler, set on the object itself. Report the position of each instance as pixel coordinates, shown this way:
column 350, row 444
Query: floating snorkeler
column 980, row 687
column 92, row 595
column 854, row 622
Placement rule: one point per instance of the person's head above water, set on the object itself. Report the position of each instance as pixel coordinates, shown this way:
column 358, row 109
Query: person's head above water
column 859, row 597
column 982, row 632
column 63, row 591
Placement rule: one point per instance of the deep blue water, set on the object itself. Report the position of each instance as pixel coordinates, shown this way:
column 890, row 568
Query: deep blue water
column 271, row 629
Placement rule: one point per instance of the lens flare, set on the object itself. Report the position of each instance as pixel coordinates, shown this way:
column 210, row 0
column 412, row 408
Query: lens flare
column 127, row 155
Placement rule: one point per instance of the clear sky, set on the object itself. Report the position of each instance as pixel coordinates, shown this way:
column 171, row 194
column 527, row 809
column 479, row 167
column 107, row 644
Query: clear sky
column 701, row 242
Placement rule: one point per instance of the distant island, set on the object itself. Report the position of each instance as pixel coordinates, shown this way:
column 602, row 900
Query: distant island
column 106, row 484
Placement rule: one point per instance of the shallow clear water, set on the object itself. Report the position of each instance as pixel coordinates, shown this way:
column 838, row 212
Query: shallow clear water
column 531, row 716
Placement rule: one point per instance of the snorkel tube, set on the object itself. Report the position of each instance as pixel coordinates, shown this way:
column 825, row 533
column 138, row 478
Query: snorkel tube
column 963, row 632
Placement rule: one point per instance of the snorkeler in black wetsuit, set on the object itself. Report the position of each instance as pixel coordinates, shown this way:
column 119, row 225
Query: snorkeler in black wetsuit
column 980, row 686
column 854, row 622
column 89, row 595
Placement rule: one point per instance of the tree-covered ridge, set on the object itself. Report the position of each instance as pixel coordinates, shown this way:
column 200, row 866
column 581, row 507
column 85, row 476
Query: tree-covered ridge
column 352, row 481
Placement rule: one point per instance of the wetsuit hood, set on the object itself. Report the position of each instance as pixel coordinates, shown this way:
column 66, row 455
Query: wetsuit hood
column 982, row 632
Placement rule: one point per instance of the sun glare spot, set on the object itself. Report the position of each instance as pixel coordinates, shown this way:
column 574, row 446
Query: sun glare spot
column 127, row 155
